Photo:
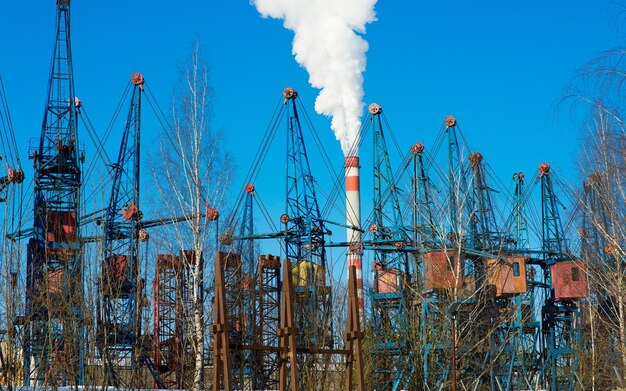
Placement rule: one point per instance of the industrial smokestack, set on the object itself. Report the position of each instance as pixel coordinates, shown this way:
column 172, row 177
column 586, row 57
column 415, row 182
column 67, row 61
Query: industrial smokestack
column 353, row 219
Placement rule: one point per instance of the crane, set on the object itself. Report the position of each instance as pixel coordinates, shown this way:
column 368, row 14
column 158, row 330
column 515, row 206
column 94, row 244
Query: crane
column 391, row 273
column 54, row 312
column 120, row 291
column 564, row 289
column 305, row 235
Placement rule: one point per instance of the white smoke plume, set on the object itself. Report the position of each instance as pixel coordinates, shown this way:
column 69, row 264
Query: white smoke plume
column 328, row 45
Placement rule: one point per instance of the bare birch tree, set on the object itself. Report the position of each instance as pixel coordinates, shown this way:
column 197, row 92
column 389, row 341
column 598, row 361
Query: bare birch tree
column 604, row 238
column 598, row 95
column 191, row 179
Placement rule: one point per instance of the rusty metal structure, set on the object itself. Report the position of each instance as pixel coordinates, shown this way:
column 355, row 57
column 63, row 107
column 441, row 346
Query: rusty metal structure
column 243, row 290
column 256, row 360
column 221, row 327
column 173, row 317
column 288, row 347
column 235, row 317
column 268, row 309
column 168, row 323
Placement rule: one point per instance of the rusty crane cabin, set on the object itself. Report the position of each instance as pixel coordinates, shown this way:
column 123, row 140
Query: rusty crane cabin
column 508, row 275
column 440, row 269
column 389, row 280
column 569, row 281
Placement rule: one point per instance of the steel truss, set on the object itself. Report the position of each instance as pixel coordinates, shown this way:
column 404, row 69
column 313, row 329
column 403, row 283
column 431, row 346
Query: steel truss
column 54, row 316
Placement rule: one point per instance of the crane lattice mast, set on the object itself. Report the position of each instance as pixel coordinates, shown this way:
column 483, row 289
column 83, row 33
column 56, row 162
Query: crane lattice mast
column 391, row 271
column 54, row 314
column 459, row 202
column 119, row 320
column 425, row 232
column 486, row 235
column 305, row 233
column 561, row 311
column 516, row 349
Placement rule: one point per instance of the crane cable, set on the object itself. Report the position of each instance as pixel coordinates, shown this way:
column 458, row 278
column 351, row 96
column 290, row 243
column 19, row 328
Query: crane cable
column 9, row 145
column 99, row 143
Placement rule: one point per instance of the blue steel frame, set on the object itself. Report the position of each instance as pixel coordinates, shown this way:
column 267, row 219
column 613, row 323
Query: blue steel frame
column 390, row 314
column 305, row 232
column 424, row 228
column 119, row 320
column 458, row 209
column 485, row 233
column 520, row 335
column 431, row 321
column 436, row 319
column 54, row 312
column 561, row 321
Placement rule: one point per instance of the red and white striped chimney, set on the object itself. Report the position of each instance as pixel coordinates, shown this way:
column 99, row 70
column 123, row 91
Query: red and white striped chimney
column 353, row 219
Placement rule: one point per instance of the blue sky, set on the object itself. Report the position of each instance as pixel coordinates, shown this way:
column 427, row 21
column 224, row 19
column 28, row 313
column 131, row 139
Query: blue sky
column 498, row 67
